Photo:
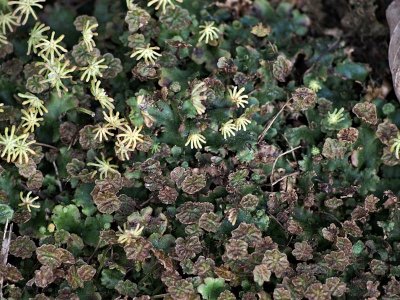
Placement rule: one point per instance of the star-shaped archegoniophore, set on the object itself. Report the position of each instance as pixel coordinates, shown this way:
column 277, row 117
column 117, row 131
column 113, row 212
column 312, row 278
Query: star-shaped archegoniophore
column 148, row 53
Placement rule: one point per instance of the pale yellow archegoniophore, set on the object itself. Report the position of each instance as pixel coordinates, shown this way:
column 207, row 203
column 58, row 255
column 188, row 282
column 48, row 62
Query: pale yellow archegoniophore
column 30, row 120
column 100, row 95
column 237, row 98
column 126, row 236
column 228, row 129
column 242, row 122
column 88, row 34
column 130, row 137
column 104, row 167
column 209, row 32
column 55, row 72
column 34, row 103
column 195, row 140
column 122, row 151
column 28, row 201
column 336, row 116
column 197, row 97
column 22, row 150
column 395, row 147
column 49, row 48
column 35, row 36
column 7, row 21
column 93, row 69
column 113, row 119
column 25, row 8
column 102, row 132
column 9, row 140
column 163, row 4
column 148, row 53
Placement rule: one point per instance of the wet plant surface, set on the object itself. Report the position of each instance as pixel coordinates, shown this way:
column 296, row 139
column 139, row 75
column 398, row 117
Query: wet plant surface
column 218, row 150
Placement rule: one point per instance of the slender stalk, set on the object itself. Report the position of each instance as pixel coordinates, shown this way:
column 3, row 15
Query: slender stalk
column 275, row 162
column 86, row 111
column 264, row 133
column 284, row 177
column 5, row 247
column 46, row 145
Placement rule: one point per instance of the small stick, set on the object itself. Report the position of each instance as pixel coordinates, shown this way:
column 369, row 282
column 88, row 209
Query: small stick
column 46, row 145
column 276, row 160
column 5, row 247
column 262, row 135
column 58, row 176
column 282, row 178
column 279, row 223
column 294, row 156
column 160, row 296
